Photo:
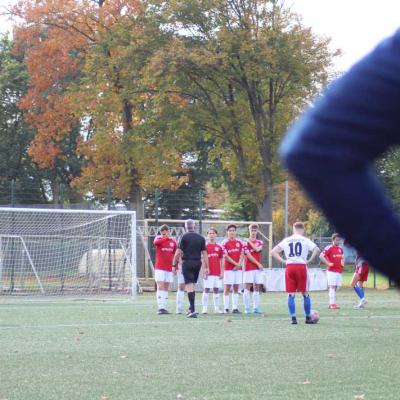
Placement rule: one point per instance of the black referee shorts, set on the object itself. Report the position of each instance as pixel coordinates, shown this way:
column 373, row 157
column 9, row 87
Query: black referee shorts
column 191, row 270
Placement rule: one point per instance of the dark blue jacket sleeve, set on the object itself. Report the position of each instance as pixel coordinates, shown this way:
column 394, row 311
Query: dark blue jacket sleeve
column 332, row 147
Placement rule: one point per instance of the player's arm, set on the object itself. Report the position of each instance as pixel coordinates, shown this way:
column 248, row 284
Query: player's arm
column 206, row 268
column 276, row 253
column 222, row 268
column 159, row 240
column 232, row 261
column 177, row 257
column 325, row 260
column 314, row 254
column 254, row 261
column 256, row 248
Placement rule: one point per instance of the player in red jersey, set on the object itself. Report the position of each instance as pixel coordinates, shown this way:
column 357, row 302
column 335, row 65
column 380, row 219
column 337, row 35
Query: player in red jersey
column 360, row 276
column 212, row 281
column 253, row 269
column 333, row 257
column 296, row 249
column 233, row 251
column 165, row 251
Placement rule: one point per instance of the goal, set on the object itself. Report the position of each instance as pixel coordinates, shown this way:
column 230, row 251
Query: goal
column 69, row 252
column 150, row 229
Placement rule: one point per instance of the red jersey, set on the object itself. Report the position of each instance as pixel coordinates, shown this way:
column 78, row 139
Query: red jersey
column 334, row 254
column 233, row 249
column 165, row 251
column 249, row 265
column 214, row 253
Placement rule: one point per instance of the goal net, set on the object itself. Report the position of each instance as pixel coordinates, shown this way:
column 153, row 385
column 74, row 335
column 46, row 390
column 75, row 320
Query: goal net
column 72, row 252
column 151, row 227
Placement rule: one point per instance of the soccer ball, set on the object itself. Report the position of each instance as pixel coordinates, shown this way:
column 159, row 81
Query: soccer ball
column 314, row 316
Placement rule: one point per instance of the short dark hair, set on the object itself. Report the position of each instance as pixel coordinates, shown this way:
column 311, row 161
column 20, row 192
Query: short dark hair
column 253, row 226
column 211, row 228
column 299, row 225
column 231, row 226
column 335, row 235
column 164, row 227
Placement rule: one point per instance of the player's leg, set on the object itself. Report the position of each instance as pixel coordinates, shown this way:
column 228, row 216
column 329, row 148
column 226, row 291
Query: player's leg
column 235, row 298
column 354, row 284
column 161, row 279
column 205, row 295
column 302, row 286
column 362, row 277
column 216, row 296
column 166, row 291
column 363, row 300
column 290, row 284
column 246, row 293
column 258, row 281
column 238, row 279
column 189, row 273
column 180, row 294
column 332, row 297
column 307, row 307
column 256, row 298
column 228, row 282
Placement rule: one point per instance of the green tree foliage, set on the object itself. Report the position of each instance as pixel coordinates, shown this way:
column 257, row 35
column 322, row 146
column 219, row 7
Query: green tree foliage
column 246, row 68
column 15, row 135
column 388, row 168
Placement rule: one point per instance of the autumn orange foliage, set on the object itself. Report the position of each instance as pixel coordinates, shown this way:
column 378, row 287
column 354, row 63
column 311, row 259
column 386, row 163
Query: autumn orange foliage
column 57, row 37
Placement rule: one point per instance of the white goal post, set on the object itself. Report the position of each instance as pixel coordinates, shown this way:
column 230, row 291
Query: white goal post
column 68, row 252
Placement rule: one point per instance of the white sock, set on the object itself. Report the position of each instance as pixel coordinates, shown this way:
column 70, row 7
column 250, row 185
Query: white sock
column 204, row 299
column 180, row 294
column 332, row 296
column 216, row 300
column 246, row 298
column 226, row 302
column 159, row 299
column 235, row 300
column 164, row 298
column 256, row 299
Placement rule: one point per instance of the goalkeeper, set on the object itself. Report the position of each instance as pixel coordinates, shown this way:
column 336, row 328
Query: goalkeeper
column 332, row 148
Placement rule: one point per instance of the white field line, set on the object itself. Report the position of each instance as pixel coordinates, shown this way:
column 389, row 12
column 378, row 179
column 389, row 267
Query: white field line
column 118, row 303
column 183, row 320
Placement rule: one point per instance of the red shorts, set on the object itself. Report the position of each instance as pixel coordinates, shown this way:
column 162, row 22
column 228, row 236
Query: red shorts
column 296, row 278
column 362, row 272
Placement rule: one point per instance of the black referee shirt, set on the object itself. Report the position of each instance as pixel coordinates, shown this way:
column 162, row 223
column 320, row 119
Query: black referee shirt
column 192, row 244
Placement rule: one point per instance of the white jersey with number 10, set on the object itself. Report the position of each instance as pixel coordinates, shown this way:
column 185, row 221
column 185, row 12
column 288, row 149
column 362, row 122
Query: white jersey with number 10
column 296, row 249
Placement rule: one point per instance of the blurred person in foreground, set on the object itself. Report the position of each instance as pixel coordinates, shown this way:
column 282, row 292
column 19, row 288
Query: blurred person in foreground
column 332, row 148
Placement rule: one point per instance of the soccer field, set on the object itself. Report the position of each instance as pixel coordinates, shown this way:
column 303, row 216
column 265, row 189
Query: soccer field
column 108, row 350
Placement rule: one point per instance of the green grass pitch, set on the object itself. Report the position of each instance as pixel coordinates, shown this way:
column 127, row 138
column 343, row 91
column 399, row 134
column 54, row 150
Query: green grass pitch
column 117, row 350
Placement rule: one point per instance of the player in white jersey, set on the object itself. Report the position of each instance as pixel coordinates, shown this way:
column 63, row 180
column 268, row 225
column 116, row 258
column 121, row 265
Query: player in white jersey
column 296, row 249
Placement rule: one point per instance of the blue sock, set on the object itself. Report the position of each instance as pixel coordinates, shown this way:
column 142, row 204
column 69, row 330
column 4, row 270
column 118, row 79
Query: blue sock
column 307, row 305
column 291, row 305
column 362, row 292
column 358, row 291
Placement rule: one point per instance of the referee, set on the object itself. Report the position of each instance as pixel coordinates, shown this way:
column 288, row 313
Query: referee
column 192, row 249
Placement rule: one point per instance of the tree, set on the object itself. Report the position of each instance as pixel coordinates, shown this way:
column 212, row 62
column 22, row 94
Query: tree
column 93, row 86
column 16, row 167
column 388, row 169
column 245, row 68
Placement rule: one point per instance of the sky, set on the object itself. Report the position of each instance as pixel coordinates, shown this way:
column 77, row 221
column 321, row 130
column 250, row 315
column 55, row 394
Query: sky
column 355, row 26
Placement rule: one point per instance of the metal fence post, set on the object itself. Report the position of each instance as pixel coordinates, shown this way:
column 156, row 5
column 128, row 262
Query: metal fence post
column 156, row 204
column 201, row 211
column 13, row 193
column 61, row 195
